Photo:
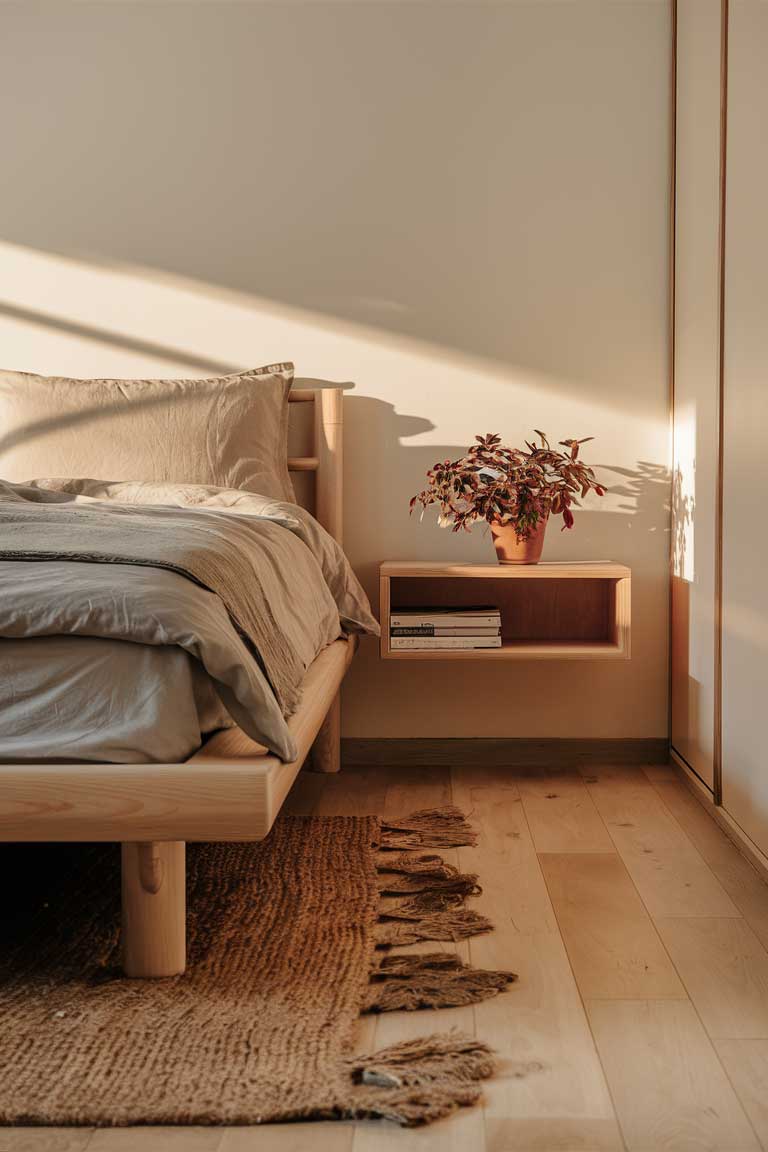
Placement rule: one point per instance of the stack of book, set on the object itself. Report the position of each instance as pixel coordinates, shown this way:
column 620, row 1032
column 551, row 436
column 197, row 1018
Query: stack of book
column 434, row 628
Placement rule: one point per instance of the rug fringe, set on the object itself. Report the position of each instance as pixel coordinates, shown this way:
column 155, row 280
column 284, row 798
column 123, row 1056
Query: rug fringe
column 413, row 864
column 428, row 828
column 423, row 1080
column 433, row 914
column 409, row 875
column 419, row 1081
column 462, row 884
column 440, row 926
column 432, row 892
column 422, row 903
column 406, row 963
column 435, row 980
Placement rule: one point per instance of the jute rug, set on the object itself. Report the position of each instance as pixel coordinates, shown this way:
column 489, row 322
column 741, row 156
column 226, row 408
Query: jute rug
column 289, row 941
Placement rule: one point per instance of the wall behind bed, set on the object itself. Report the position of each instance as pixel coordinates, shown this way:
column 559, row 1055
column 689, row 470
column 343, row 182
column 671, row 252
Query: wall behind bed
column 462, row 207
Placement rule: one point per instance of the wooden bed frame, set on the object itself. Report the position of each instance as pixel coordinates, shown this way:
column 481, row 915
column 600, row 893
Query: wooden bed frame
column 231, row 789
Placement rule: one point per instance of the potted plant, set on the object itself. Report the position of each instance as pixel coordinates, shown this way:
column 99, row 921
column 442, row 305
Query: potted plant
column 513, row 489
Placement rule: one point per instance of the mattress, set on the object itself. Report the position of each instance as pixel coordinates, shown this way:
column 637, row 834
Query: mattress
column 98, row 699
column 125, row 617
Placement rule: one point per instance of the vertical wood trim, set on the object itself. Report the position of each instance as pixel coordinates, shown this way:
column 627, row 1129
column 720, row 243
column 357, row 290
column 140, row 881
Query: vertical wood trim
column 672, row 342
column 717, row 765
column 329, row 408
column 384, row 614
column 623, row 616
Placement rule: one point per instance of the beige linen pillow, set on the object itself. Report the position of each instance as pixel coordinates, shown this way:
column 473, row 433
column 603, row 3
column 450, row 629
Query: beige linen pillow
column 229, row 431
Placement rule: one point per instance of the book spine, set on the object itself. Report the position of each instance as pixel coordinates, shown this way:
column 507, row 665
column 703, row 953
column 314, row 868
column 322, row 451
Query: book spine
column 438, row 630
column 445, row 642
column 444, row 621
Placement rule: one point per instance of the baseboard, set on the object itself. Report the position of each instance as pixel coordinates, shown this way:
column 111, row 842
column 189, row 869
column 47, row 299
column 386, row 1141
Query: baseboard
column 502, row 752
column 733, row 831
column 681, row 763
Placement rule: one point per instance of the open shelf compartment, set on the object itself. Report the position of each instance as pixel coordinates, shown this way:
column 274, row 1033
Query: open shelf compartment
column 548, row 611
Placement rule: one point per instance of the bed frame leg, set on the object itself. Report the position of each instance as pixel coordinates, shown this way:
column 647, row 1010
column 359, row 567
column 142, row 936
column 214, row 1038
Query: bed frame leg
column 326, row 750
column 154, row 909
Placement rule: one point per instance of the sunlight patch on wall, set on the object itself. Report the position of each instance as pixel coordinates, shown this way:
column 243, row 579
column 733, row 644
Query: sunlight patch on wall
column 413, row 403
column 684, row 491
column 66, row 316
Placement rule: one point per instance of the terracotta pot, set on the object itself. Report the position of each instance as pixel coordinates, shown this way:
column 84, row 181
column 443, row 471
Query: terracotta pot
column 510, row 550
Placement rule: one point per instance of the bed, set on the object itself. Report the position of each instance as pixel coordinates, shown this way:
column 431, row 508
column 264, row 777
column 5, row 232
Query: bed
column 230, row 789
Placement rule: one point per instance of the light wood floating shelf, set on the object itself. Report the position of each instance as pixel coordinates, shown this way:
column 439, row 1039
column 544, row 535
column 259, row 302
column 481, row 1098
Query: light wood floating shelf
column 548, row 611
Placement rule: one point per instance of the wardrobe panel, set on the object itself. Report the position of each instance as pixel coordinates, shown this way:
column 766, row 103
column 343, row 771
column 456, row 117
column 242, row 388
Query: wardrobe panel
column 697, row 325
column 745, row 423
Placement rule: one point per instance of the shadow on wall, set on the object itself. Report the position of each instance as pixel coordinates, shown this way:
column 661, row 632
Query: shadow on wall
column 636, row 504
column 683, row 505
column 100, row 320
column 85, row 319
column 201, row 365
column 481, row 245
column 378, row 445
column 461, row 205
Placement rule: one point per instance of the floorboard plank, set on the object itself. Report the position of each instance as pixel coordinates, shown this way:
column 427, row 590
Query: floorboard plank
column 670, row 1090
column 550, row 1085
column 660, row 771
column 408, row 790
column 360, row 793
column 304, row 794
column 669, row 1081
column 670, row 875
column 614, row 949
column 551, row 1134
column 319, row 1137
column 153, row 1139
column 746, row 1062
column 562, row 816
column 45, row 1139
column 550, row 1079
column 514, row 893
column 740, row 879
column 725, row 969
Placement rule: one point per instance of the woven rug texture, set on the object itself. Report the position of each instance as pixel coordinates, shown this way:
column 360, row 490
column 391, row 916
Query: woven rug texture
column 282, row 958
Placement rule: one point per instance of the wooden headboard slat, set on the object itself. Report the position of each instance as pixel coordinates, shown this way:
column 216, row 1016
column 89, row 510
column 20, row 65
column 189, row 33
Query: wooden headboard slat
column 327, row 462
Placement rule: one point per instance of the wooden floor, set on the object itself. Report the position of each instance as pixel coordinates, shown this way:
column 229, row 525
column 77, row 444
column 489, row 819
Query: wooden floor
column 640, row 1019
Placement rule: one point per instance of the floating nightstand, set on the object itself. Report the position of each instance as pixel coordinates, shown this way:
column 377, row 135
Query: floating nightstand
column 548, row 611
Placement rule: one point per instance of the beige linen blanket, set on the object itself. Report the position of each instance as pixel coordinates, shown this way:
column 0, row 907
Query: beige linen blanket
column 259, row 582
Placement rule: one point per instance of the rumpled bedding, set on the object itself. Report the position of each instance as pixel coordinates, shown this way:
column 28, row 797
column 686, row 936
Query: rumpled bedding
column 251, row 587
column 65, row 698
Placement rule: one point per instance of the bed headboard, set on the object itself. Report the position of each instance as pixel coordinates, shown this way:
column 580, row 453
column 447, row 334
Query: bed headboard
column 326, row 462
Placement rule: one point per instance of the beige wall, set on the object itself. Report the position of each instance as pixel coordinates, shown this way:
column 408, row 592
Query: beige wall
column 460, row 206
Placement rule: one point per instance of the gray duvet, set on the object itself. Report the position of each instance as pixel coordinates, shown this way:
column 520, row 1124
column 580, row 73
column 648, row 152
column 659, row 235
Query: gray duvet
column 251, row 588
column 90, row 698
